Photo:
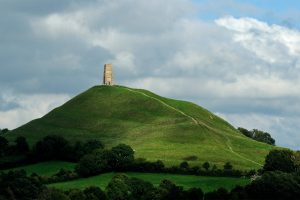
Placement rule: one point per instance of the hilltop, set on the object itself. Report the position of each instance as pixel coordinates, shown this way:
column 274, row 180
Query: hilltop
column 156, row 127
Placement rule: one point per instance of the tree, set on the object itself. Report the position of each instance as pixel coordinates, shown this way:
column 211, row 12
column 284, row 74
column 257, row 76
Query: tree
column 258, row 135
column 263, row 137
column 297, row 160
column 281, row 160
column 245, row 132
column 140, row 189
column 158, row 166
column 184, row 165
column 206, row 166
column 117, row 188
column 97, row 162
column 94, row 193
column 76, row 194
column 52, row 147
column 219, row 194
column 3, row 145
column 92, row 145
column 170, row 191
column 194, row 194
column 123, row 157
column 22, row 145
column 16, row 185
column 51, row 194
column 3, row 131
column 227, row 166
column 274, row 185
column 88, row 165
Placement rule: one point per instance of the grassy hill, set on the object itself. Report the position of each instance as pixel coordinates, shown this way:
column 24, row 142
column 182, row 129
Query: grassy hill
column 156, row 127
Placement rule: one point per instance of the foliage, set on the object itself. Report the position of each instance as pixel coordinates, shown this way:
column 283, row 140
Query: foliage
column 206, row 166
column 123, row 156
column 219, row 194
column 194, row 194
column 184, row 165
column 117, row 188
column 4, row 131
column 282, row 160
column 3, row 145
column 51, row 194
column 22, row 145
column 52, row 147
column 94, row 193
column 274, row 185
column 15, row 184
column 258, row 135
column 90, row 165
column 228, row 166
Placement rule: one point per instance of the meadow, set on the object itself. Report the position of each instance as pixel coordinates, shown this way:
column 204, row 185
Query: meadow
column 45, row 168
column 187, row 181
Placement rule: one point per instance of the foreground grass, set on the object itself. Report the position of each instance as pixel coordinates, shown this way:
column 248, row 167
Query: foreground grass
column 46, row 168
column 187, row 181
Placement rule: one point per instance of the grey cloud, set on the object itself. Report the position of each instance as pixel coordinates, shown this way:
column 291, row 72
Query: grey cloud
column 161, row 46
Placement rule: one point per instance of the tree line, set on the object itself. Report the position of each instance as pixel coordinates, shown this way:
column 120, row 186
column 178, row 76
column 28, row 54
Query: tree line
column 92, row 159
column 279, row 179
column 258, row 135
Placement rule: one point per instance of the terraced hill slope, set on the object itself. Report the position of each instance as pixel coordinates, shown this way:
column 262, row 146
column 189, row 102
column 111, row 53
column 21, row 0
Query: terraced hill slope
column 156, row 127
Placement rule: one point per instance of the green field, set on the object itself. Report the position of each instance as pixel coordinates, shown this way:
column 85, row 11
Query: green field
column 156, row 128
column 46, row 168
column 187, row 181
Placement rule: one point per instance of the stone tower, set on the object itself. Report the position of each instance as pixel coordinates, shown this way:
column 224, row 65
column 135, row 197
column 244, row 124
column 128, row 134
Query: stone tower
column 107, row 75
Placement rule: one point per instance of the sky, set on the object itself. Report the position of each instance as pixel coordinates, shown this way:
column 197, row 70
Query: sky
column 239, row 59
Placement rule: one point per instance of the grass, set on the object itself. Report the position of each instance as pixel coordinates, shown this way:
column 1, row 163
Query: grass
column 154, row 126
column 187, row 181
column 46, row 168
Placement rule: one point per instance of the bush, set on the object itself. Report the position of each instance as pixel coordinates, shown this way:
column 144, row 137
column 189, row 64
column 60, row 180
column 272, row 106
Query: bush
column 281, row 160
column 52, row 147
column 206, row 166
column 274, row 185
column 219, row 194
column 123, row 157
column 258, row 135
column 16, row 185
column 118, row 188
column 3, row 145
column 94, row 193
column 22, row 146
column 89, row 165
column 194, row 194
column 51, row 194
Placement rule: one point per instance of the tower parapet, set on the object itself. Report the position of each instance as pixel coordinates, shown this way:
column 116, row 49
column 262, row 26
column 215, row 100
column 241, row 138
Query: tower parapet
column 107, row 75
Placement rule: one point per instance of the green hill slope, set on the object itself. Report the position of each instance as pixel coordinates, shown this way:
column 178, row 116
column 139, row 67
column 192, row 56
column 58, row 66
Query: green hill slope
column 156, row 127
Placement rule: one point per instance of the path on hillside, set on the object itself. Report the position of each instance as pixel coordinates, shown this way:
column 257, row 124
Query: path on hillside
column 197, row 123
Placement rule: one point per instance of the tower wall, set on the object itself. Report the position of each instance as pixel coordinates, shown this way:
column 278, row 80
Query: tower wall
column 107, row 75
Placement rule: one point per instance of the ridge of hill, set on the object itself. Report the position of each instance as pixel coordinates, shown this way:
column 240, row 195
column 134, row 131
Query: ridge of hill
column 156, row 127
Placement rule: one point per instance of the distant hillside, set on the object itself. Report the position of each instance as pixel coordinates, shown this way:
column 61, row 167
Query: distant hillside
column 156, row 127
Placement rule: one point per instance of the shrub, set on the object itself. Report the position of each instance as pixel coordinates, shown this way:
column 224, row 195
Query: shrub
column 282, row 160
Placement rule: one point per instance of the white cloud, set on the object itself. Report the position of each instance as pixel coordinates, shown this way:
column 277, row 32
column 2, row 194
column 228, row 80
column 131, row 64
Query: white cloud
column 272, row 43
column 28, row 107
column 282, row 129
column 164, row 47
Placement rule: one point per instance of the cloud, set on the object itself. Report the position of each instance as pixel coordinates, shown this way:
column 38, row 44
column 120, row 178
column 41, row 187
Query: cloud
column 272, row 43
column 24, row 108
column 281, row 128
column 234, row 66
